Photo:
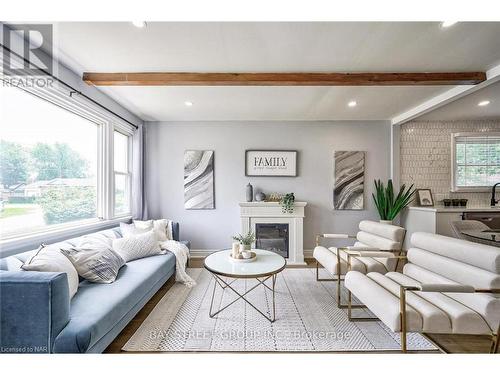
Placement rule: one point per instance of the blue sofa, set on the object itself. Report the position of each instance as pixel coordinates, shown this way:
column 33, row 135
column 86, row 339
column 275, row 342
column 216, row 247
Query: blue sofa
column 38, row 317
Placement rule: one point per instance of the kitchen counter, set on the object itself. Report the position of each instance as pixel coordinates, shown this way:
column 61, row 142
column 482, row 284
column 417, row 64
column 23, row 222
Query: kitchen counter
column 439, row 219
column 455, row 209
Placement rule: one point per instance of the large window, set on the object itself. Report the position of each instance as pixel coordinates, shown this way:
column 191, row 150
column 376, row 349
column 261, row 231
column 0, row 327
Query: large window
column 122, row 173
column 53, row 165
column 475, row 160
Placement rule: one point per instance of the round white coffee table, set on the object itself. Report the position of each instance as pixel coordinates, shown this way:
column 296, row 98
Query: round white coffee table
column 225, row 271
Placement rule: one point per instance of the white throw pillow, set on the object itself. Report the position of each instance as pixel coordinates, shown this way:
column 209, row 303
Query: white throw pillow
column 159, row 227
column 50, row 259
column 136, row 247
column 95, row 263
column 131, row 230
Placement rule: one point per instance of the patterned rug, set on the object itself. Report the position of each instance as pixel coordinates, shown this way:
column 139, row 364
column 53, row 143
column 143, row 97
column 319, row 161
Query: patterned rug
column 307, row 320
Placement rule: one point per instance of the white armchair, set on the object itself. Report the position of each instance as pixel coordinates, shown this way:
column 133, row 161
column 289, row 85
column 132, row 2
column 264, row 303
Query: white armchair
column 371, row 239
column 448, row 286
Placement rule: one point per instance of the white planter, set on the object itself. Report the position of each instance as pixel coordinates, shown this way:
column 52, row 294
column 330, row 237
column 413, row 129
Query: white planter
column 388, row 222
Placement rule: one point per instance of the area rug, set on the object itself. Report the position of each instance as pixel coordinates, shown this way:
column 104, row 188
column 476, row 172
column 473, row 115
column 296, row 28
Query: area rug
column 307, row 320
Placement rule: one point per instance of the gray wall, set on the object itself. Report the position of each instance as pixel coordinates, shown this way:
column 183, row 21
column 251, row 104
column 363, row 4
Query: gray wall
column 315, row 141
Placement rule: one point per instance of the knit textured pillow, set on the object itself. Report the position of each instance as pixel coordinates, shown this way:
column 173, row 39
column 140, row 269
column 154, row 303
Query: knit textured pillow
column 136, row 247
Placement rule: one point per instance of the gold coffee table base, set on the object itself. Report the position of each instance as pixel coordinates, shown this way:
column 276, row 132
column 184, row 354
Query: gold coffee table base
column 227, row 285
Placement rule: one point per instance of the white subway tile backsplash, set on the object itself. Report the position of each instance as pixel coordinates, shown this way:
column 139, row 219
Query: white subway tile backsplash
column 426, row 156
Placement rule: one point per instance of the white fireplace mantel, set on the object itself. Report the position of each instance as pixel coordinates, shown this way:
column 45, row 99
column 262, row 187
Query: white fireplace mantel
column 252, row 213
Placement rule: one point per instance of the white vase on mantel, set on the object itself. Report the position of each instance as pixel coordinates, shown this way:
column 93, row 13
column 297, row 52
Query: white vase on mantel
column 388, row 222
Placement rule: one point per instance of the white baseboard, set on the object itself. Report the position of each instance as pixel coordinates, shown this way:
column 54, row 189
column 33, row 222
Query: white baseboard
column 202, row 253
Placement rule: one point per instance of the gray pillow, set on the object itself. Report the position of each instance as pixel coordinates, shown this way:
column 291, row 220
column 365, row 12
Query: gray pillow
column 95, row 263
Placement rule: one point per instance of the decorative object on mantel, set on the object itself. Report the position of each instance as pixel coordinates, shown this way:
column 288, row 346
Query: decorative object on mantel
column 348, row 189
column 260, row 196
column 249, row 192
column 287, row 201
column 271, row 163
column 245, row 241
column 424, row 198
column 199, row 180
column 274, row 197
column 389, row 206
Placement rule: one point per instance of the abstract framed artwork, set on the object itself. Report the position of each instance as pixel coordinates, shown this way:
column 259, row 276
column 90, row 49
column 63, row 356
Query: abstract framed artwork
column 199, row 187
column 271, row 163
column 349, row 180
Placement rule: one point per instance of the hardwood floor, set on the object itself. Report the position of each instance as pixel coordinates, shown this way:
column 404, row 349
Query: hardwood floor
column 448, row 343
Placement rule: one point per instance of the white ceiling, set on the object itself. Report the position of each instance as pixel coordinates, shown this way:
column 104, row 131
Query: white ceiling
column 467, row 107
column 278, row 47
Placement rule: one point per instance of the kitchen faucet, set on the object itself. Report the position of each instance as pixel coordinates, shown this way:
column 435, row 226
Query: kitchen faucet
column 493, row 200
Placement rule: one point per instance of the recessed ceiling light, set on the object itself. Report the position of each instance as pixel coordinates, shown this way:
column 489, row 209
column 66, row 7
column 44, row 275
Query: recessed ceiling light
column 483, row 103
column 188, row 103
column 352, row 103
column 446, row 24
column 139, row 24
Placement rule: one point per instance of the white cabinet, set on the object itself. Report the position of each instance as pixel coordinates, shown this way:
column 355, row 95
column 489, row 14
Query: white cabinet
column 430, row 220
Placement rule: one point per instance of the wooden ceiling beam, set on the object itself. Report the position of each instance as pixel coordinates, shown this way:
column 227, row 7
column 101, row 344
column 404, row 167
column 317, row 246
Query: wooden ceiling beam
column 283, row 79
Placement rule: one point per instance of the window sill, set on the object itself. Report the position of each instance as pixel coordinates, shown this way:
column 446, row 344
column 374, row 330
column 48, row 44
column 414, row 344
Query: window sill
column 19, row 244
column 483, row 189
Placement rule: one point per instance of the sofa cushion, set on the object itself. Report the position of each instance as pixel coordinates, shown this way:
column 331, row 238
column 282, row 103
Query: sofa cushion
column 97, row 307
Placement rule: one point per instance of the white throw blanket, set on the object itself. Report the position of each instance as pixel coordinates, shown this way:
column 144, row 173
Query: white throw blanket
column 181, row 253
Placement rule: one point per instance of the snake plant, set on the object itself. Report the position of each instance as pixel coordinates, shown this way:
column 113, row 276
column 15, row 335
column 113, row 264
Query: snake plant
column 388, row 205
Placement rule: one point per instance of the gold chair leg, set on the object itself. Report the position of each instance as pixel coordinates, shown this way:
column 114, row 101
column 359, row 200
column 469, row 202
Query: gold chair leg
column 495, row 341
column 317, row 274
column 402, row 317
column 339, row 299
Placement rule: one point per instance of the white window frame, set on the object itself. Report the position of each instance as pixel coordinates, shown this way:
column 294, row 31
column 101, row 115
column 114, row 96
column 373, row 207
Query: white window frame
column 454, row 187
column 106, row 123
column 128, row 174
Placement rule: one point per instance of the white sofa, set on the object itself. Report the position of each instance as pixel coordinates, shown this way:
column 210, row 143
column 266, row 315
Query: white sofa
column 372, row 237
column 448, row 286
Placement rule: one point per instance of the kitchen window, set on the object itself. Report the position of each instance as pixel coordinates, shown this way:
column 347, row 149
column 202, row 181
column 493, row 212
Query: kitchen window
column 475, row 161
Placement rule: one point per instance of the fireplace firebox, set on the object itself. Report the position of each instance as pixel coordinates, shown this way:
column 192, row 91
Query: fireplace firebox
column 272, row 237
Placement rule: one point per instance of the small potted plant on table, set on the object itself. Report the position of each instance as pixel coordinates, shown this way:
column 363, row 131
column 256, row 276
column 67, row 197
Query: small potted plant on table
column 245, row 240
